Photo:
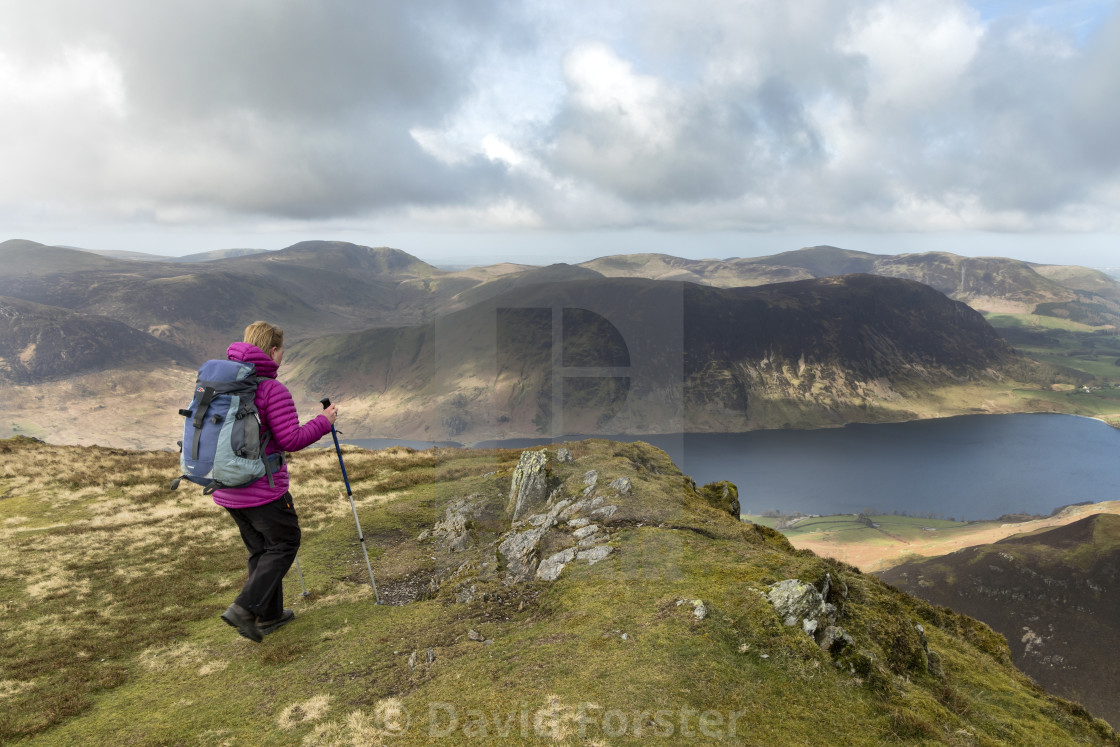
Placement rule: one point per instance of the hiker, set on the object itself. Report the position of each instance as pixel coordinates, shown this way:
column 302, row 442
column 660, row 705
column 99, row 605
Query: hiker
column 264, row 512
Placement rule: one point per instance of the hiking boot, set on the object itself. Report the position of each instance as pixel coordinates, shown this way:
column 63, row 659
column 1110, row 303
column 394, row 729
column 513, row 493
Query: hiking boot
column 267, row 626
column 244, row 621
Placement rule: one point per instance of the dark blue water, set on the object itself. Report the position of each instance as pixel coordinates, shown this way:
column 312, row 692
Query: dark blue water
column 971, row 467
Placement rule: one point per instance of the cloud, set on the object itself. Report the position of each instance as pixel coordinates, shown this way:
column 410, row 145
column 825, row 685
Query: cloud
column 893, row 115
column 713, row 114
column 282, row 108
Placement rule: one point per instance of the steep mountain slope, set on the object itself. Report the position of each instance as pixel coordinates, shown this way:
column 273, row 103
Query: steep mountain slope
column 839, row 349
column 39, row 343
column 648, row 356
column 669, row 619
column 989, row 284
column 1050, row 593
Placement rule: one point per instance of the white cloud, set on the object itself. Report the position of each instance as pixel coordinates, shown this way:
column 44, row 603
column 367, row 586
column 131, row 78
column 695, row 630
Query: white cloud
column 733, row 114
column 916, row 50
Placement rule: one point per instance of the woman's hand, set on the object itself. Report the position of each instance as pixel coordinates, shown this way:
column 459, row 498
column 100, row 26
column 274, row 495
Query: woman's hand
column 331, row 412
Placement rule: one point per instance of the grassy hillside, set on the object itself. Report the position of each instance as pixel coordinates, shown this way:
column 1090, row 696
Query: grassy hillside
column 1050, row 593
column 110, row 588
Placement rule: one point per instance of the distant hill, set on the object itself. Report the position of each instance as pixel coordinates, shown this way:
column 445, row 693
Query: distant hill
column 306, row 289
column 1051, row 593
column 641, row 353
column 217, row 254
column 338, row 257
column 187, row 258
column 127, row 255
column 987, row 283
column 21, row 258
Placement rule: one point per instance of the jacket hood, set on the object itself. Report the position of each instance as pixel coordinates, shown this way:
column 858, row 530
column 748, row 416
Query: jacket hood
column 243, row 352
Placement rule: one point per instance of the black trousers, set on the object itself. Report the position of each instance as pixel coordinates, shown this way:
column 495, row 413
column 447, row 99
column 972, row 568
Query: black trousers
column 271, row 535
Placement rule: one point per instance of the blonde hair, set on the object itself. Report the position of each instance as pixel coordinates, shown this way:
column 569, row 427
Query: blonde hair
column 265, row 336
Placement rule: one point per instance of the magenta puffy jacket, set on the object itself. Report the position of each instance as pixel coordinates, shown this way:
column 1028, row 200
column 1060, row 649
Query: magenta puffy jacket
column 279, row 416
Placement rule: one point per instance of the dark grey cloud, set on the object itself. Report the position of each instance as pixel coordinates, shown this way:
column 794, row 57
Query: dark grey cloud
column 283, row 108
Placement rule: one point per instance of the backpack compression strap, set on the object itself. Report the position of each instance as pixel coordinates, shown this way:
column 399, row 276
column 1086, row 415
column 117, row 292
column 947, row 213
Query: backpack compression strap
column 199, row 417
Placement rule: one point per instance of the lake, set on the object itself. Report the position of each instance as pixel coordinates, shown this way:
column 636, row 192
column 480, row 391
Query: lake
column 969, row 467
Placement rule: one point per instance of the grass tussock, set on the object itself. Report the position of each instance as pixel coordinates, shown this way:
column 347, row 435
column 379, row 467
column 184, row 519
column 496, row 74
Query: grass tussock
column 110, row 592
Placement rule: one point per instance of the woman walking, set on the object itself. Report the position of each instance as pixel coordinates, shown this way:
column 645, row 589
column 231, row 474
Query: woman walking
column 264, row 512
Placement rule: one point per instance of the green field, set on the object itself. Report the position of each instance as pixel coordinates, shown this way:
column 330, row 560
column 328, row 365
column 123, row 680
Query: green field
column 1091, row 350
column 1081, row 363
column 862, row 529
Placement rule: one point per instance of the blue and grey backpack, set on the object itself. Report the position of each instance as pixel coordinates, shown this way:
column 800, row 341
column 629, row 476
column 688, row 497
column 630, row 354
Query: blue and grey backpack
column 222, row 445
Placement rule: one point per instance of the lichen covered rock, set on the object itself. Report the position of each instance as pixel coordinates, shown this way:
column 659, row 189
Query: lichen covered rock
column 529, row 485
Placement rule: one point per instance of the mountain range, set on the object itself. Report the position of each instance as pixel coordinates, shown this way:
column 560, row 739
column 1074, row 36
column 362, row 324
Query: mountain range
column 985, row 283
column 512, row 351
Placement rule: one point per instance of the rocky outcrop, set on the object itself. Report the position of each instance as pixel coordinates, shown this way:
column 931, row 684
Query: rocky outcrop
column 800, row 603
column 538, row 545
column 530, row 482
column 566, row 522
column 454, row 529
column 723, row 495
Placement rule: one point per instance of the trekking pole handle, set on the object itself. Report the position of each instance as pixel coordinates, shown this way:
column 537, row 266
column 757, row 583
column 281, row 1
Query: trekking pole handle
column 326, row 402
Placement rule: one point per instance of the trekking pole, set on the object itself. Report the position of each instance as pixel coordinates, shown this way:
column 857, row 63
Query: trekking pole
column 302, row 585
column 326, row 402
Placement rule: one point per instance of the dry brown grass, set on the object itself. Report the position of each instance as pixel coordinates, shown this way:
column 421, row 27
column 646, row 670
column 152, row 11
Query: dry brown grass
column 102, row 565
column 884, row 554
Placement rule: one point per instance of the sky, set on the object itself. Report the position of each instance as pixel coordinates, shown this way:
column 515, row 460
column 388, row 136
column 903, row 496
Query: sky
column 540, row 131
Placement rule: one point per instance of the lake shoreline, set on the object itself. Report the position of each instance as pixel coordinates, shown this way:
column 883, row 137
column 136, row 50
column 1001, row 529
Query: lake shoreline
column 971, row 467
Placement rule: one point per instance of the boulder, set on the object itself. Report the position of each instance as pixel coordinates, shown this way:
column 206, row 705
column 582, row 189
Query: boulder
column 521, row 554
column 799, row 603
column 605, row 512
column 834, row 639
column 590, row 479
column 454, row 529
column 595, row 554
column 529, row 485
column 551, row 566
column 585, row 532
column 622, row 485
column 564, row 456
